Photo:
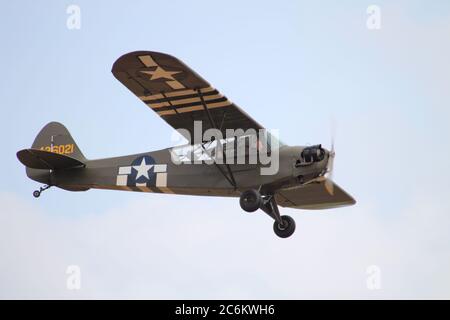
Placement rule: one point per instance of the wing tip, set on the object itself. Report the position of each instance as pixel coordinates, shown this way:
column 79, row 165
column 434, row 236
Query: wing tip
column 124, row 59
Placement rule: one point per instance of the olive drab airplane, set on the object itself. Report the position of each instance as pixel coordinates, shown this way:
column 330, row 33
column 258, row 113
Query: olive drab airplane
column 301, row 179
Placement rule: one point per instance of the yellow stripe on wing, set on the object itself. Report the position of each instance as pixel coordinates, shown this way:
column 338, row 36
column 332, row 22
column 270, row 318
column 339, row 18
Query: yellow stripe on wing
column 183, row 101
column 148, row 61
column 166, row 112
column 177, row 93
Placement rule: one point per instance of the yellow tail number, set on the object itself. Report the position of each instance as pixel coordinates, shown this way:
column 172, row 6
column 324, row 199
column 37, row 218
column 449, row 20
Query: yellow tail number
column 61, row 149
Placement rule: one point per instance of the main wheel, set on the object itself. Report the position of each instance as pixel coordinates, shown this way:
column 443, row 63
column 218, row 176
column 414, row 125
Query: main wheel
column 36, row 193
column 286, row 229
column 250, row 200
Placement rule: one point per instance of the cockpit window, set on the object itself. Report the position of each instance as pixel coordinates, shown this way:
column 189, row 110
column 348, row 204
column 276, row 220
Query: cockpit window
column 241, row 146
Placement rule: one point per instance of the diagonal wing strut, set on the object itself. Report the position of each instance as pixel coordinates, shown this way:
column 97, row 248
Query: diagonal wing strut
column 230, row 178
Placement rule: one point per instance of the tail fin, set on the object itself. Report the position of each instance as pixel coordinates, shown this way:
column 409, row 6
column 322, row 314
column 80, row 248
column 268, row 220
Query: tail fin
column 54, row 138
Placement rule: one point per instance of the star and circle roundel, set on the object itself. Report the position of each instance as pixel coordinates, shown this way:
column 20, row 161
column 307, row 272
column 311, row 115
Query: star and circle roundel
column 142, row 171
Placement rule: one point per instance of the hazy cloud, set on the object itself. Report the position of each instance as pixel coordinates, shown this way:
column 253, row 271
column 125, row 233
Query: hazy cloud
column 158, row 248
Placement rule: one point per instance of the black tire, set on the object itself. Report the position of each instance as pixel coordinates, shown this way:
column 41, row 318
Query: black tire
column 250, row 200
column 287, row 229
column 36, row 194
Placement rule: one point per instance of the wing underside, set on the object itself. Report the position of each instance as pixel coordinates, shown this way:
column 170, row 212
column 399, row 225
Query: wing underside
column 313, row 196
column 178, row 94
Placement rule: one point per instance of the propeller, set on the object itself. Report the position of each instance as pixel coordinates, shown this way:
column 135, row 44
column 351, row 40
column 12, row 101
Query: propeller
column 329, row 185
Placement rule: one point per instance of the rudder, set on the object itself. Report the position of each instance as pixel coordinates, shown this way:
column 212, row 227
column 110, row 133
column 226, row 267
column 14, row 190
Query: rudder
column 54, row 137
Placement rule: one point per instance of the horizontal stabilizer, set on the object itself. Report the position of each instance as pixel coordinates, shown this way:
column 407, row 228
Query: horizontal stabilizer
column 40, row 159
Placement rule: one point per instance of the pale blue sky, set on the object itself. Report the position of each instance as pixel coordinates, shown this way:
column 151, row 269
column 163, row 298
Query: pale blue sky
column 292, row 65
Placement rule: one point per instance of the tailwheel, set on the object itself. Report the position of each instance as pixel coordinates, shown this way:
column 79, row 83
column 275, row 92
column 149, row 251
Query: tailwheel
column 250, row 200
column 284, row 229
column 37, row 193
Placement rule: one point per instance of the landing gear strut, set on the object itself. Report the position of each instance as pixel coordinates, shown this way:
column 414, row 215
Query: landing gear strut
column 252, row 200
column 37, row 193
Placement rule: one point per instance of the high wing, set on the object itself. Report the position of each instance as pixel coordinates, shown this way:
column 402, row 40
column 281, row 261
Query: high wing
column 313, row 196
column 178, row 94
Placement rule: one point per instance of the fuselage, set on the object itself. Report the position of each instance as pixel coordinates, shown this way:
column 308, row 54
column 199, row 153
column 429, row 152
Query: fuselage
column 157, row 171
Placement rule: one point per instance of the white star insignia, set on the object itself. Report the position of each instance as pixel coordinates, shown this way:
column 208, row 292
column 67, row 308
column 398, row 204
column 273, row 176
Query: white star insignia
column 142, row 169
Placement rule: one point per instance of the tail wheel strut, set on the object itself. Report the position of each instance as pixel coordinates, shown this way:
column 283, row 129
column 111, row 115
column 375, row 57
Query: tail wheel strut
column 37, row 193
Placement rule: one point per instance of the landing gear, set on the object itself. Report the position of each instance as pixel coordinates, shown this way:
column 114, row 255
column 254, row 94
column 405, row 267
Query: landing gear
column 286, row 228
column 37, row 193
column 252, row 200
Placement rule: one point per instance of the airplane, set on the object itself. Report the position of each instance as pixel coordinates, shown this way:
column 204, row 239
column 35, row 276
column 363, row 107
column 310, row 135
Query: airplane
column 189, row 104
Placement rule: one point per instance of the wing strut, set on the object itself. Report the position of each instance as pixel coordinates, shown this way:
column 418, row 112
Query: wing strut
column 169, row 102
column 213, row 125
column 231, row 181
